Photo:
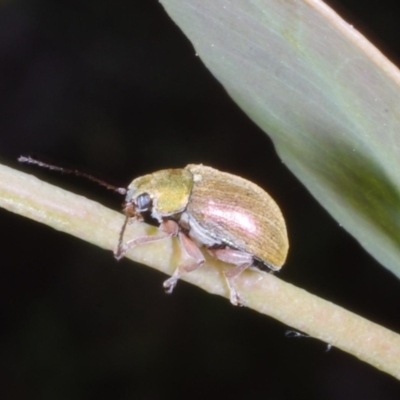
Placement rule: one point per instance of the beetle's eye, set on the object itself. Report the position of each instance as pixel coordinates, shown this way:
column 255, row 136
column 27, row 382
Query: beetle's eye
column 143, row 202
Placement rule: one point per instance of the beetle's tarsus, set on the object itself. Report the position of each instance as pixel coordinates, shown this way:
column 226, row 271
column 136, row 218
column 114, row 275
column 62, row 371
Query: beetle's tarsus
column 120, row 252
column 169, row 284
column 236, row 299
column 234, row 296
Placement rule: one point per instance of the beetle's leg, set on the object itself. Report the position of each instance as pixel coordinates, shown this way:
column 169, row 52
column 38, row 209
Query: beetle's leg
column 241, row 261
column 192, row 251
column 168, row 228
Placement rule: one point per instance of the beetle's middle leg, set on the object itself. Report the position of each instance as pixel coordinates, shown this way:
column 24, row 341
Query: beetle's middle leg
column 193, row 251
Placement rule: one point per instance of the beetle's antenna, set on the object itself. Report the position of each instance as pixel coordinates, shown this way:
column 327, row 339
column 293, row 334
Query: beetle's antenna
column 32, row 161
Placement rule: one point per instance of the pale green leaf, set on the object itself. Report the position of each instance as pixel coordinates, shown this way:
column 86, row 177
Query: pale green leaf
column 328, row 99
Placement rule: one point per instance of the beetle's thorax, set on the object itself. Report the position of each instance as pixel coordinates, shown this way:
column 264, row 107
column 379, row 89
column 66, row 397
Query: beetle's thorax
column 168, row 189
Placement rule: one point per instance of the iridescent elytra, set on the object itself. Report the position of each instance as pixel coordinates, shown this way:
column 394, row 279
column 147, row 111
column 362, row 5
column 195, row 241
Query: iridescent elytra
column 233, row 218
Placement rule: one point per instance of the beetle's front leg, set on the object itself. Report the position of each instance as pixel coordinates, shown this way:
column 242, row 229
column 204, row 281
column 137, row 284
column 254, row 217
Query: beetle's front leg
column 168, row 228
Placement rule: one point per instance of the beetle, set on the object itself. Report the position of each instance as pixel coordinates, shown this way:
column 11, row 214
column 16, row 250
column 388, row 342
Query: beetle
column 233, row 218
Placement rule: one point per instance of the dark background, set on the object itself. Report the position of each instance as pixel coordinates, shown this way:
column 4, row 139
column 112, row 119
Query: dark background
column 113, row 88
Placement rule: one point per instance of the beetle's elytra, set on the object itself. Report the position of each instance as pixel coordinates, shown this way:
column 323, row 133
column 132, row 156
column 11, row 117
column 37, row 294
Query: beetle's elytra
column 233, row 218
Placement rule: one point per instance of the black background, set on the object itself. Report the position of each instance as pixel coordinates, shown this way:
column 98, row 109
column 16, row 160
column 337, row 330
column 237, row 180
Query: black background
column 113, row 88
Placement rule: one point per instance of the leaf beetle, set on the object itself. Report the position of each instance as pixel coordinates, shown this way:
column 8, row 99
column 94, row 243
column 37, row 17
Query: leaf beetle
column 233, row 218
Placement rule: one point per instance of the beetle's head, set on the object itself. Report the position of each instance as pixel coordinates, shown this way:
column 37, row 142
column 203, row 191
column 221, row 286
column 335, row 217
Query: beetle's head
column 135, row 206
